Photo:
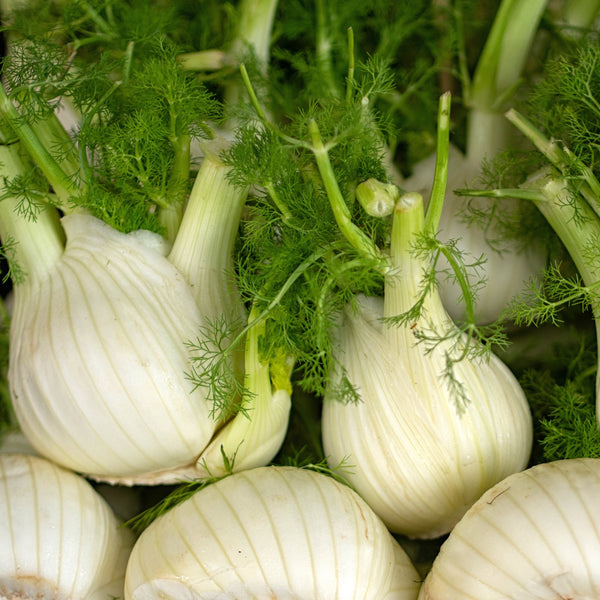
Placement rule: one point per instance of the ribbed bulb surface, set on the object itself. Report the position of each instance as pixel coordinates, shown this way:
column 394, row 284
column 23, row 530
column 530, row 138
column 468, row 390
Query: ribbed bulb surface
column 420, row 458
column 98, row 358
column 271, row 532
column 533, row 536
column 59, row 538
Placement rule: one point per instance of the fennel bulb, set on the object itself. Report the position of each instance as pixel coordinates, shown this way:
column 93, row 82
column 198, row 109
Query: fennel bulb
column 533, row 535
column 423, row 446
column 98, row 357
column 271, row 532
column 59, row 537
column 506, row 267
column 100, row 352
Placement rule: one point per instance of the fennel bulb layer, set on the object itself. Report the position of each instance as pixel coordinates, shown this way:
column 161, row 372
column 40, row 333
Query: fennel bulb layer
column 271, row 532
column 534, row 535
column 438, row 420
column 98, row 357
column 60, row 540
column 418, row 459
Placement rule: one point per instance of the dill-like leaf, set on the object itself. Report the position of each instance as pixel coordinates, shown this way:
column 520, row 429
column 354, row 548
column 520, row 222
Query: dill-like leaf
column 566, row 104
column 562, row 396
column 14, row 271
column 180, row 494
column 136, row 109
column 212, row 356
column 545, row 298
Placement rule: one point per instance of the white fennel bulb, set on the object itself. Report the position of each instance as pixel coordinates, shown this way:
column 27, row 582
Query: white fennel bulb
column 533, row 536
column 98, row 357
column 423, row 446
column 507, row 266
column 271, row 532
column 59, row 537
column 103, row 331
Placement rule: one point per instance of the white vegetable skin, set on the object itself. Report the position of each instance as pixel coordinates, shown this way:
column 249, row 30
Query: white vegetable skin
column 248, row 441
column 416, row 459
column 422, row 453
column 98, row 358
column 271, row 532
column 533, row 536
column 59, row 537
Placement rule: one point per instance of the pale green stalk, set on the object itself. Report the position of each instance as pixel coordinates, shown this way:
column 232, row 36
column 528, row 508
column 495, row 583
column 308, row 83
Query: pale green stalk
column 254, row 30
column 404, row 279
column 507, row 48
column 253, row 437
column 357, row 238
column 578, row 227
column 498, row 73
column 171, row 212
column 561, row 158
column 323, row 48
column 35, row 244
column 255, row 23
column 60, row 181
column 580, row 14
column 440, row 177
column 203, row 248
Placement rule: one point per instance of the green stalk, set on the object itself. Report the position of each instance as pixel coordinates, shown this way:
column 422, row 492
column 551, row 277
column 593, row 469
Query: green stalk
column 550, row 149
column 561, row 158
column 254, row 30
column 402, row 283
column 323, row 48
column 203, row 60
column 580, row 14
column 357, row 238
column 497, row 74
column 438, row 190
column 51, row 134
column 171, row 212
column 60, row 181
column 253, row 33
column 578, row 227
column 203, row 247
column 505, row 52
column 33, row 246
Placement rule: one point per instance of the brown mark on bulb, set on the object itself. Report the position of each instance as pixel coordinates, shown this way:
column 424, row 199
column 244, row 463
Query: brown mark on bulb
column 498, row 494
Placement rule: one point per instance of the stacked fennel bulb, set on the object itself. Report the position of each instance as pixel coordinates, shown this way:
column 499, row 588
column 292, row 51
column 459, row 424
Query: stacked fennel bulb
column 60, row 539
column 422, row 450
column 534, row 535
column 109, row 325
column 98, row 358
column 271, row 532
column 99, row 353
column 504, row 266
